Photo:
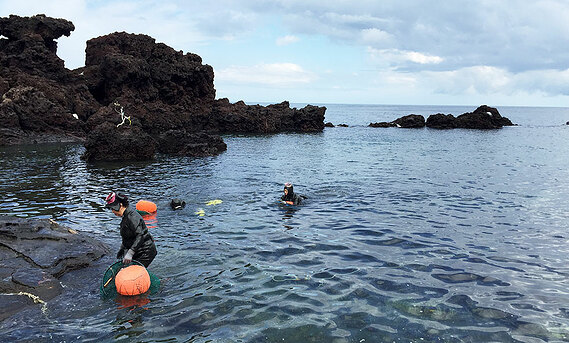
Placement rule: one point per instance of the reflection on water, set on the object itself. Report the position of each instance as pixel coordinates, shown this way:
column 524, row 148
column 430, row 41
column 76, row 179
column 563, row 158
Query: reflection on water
column 409, row 235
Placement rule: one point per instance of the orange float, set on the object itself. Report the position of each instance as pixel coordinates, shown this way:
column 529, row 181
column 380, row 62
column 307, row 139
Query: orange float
column 145, row 207
column 132, row 280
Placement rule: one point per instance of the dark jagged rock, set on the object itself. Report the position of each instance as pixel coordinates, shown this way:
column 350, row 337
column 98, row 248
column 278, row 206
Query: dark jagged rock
column 35, row 254
column 484, row 117
column 329, row 124
column 41, row 99
column 30, row 43
column 198, row 144
column 382, row 124
column 343, row 125
column 107, row 142
column 122, row 64
column 170, row 93
column 441, row 121
column 410, row 121
column 161, row 90
column 242, row 118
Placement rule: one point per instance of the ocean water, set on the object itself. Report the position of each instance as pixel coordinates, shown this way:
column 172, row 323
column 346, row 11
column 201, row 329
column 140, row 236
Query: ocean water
column 407, row 235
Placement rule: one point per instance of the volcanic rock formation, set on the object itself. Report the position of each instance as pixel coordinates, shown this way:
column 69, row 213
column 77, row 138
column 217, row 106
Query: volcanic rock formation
column 131, row 93
column 484, row 117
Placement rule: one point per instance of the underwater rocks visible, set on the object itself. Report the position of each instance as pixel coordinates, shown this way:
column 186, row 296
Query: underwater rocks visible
column 34, row 254
column 484, row 117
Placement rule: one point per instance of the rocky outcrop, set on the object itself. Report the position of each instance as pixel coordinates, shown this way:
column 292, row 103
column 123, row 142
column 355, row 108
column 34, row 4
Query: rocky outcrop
column 382, row 124
column 196, row 144
column 408, row 121
column 126, row 143
column 41, row 99
column 484, row 117
column 30, row 45
column 160, row 89
column 441, row 121
column 34, row 254
column 242, row 118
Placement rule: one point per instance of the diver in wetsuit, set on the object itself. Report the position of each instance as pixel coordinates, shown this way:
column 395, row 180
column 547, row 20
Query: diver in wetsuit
column 290, row 197
column 137, row 243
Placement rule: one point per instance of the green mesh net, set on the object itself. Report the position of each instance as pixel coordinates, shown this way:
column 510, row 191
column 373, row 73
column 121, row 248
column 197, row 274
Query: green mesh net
column 108, row 288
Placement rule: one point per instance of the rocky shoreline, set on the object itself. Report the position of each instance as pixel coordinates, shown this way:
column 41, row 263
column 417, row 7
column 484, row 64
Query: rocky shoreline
column 35, row 254
column 154, row 90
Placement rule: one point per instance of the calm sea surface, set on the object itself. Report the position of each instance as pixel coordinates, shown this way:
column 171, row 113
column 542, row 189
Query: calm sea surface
column 408, row 235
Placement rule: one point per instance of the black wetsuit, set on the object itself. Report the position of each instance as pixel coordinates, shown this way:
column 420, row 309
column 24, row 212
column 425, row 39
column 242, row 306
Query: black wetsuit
column 135, row 236
column 291, row 196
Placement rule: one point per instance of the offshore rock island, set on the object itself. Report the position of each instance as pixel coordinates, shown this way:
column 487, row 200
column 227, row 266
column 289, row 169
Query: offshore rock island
column 483, row 118
column 167, row 98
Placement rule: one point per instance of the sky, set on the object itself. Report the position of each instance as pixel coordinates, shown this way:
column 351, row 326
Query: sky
column 416, row 52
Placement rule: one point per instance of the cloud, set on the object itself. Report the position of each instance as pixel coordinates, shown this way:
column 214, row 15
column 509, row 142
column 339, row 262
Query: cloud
column 512, row 34
column 487, row 80
column 274, row 74
column 395, row 58
column 375, row 37
column 286, row 40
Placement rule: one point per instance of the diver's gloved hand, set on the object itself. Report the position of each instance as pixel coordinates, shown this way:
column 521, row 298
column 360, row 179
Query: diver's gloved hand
column 128, row 256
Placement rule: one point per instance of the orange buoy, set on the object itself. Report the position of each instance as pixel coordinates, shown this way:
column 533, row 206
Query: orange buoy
column 132, row 280
column 146, row 207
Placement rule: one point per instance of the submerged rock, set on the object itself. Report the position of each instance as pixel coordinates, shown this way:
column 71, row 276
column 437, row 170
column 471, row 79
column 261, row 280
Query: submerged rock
column 35, row 254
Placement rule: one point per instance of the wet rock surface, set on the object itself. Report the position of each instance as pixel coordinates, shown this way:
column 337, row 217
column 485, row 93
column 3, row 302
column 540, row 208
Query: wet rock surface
column 34, row 254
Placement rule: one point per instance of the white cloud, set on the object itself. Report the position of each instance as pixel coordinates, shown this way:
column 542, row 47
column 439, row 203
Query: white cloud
column 395, row 57
column 286, row 40
column 375, row 37
column 274, row 74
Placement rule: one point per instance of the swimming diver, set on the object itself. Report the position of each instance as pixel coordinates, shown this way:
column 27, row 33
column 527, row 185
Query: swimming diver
column 290, row 197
